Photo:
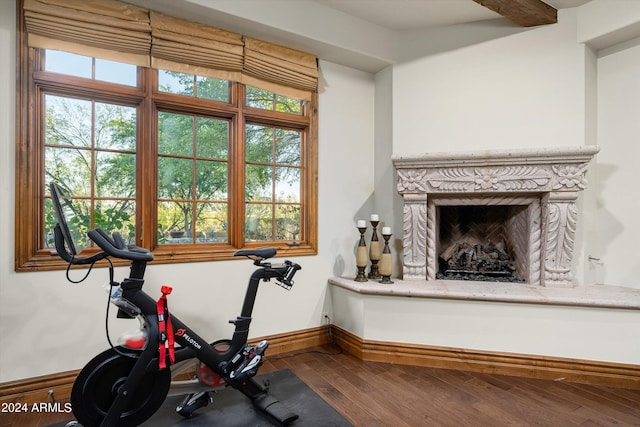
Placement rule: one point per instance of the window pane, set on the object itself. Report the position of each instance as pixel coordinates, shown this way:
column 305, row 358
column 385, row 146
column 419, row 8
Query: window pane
column 116, row 215
column 50, row 222
column 288, row 105
column 211, row 222
column 79, row 221
column 259, row 145
column 210, row 88
column 175, row 134
column 212, row 138
column 115, row 174
column 288, row 147
column 174, row 222
column 211, row 180
column 70, row 166
column 287, row 222
column 116, row 72
column 176, row 226
column 76, row 132
column 115, row 127
column 288, row 185
column 259, row 183
column 174, row 82
column 259, row 222
column 68, row 63
column 266, row 100
column 175, row 178
column 67, row 121
column 259, row 98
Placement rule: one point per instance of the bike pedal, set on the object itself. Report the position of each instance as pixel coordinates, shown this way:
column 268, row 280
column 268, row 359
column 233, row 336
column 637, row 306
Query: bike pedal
column 193, row 402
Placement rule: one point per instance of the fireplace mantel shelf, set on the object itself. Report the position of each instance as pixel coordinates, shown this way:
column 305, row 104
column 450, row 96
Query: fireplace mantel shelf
column 602, row 296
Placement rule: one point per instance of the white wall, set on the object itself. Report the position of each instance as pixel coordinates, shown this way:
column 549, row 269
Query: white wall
column 521, row 91
column 615, row 184
column 48, row 325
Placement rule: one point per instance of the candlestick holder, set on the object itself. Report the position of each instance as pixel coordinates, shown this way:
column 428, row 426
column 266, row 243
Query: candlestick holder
column 361, row 256
column 386, row 260
column 374, row 253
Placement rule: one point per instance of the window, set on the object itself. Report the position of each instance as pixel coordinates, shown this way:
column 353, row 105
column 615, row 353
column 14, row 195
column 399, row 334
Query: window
column 191, row 167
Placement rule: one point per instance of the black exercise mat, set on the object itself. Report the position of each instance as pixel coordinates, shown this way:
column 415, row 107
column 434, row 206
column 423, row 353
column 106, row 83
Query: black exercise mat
column 231, row 408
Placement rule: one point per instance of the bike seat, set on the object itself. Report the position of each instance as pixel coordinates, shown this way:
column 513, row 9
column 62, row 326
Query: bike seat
column 262, row 253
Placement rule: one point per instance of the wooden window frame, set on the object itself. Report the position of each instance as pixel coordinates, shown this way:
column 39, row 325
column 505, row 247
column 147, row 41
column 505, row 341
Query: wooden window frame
column 30, row 253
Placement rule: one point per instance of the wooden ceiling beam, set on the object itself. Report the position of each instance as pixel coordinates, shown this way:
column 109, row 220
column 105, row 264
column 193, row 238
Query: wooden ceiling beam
column 525, row 13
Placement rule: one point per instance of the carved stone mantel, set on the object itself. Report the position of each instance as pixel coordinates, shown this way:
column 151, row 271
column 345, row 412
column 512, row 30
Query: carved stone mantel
column 547, row 180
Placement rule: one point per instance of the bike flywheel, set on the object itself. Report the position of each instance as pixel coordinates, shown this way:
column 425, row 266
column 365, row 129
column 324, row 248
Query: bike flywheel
column 99, row 382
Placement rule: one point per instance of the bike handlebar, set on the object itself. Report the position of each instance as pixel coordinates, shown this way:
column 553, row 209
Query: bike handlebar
column 117, row 248
column 62, row 251
column 292, row 268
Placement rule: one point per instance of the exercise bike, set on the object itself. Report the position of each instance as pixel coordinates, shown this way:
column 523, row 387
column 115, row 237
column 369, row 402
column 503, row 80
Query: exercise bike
column 126, row 384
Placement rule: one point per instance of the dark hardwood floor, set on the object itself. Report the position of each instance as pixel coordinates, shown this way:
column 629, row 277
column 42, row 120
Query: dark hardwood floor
column 381, row 394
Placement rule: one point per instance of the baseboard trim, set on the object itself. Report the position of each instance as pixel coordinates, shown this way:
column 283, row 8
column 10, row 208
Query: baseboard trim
column 296, row 340
column 57, row 387
column 542, row 367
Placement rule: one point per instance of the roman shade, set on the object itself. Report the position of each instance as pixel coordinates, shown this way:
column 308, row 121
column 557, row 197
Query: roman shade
column 279, row 69
column 193, row 48
column 119, row 31
column 108, row 29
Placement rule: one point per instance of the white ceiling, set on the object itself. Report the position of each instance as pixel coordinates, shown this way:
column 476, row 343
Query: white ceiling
column 399, row 15
column 367, row 35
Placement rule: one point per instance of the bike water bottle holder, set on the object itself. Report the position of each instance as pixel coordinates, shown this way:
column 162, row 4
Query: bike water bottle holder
column 126, row 310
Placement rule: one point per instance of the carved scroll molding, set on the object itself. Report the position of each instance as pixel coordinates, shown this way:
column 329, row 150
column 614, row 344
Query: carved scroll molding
column 414, row 236
column 553, row 177
column 561, row 221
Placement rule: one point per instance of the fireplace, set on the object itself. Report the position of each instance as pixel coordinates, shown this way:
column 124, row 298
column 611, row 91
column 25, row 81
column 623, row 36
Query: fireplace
column 492, row 215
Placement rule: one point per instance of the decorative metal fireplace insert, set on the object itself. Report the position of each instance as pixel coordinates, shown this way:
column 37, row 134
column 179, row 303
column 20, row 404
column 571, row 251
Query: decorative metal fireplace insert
column 492, row 215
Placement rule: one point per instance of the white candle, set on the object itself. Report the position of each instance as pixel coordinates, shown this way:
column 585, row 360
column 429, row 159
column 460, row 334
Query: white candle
column 375, row 217
column 362, row 223
column 386, row 230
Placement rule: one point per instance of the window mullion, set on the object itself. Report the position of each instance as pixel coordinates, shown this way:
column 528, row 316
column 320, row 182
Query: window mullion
column 274, row 141
column 237, row 171
column 146, row 170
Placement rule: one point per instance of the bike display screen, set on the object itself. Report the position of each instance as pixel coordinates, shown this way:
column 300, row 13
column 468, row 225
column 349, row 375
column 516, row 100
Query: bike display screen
column 75, row 238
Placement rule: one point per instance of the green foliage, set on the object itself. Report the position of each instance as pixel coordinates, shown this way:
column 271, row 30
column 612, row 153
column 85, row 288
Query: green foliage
column 187, row 179
column 261, row 98
column 190, row 85
column 71, row 162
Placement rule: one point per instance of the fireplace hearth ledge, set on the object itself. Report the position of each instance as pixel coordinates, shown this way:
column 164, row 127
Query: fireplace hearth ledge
column 597, row 296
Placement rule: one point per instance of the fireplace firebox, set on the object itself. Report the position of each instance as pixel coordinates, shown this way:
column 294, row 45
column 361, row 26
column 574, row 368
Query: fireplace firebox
column 483, row 243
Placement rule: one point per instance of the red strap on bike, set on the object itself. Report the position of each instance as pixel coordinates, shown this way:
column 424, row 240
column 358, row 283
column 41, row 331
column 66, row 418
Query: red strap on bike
column 165, row 328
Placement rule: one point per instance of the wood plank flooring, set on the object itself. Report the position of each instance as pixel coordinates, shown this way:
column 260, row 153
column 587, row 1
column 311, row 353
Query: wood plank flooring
column 375, row 394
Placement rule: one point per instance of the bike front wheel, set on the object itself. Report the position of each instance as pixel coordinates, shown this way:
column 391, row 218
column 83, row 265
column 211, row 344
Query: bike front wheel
column 98, row 385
